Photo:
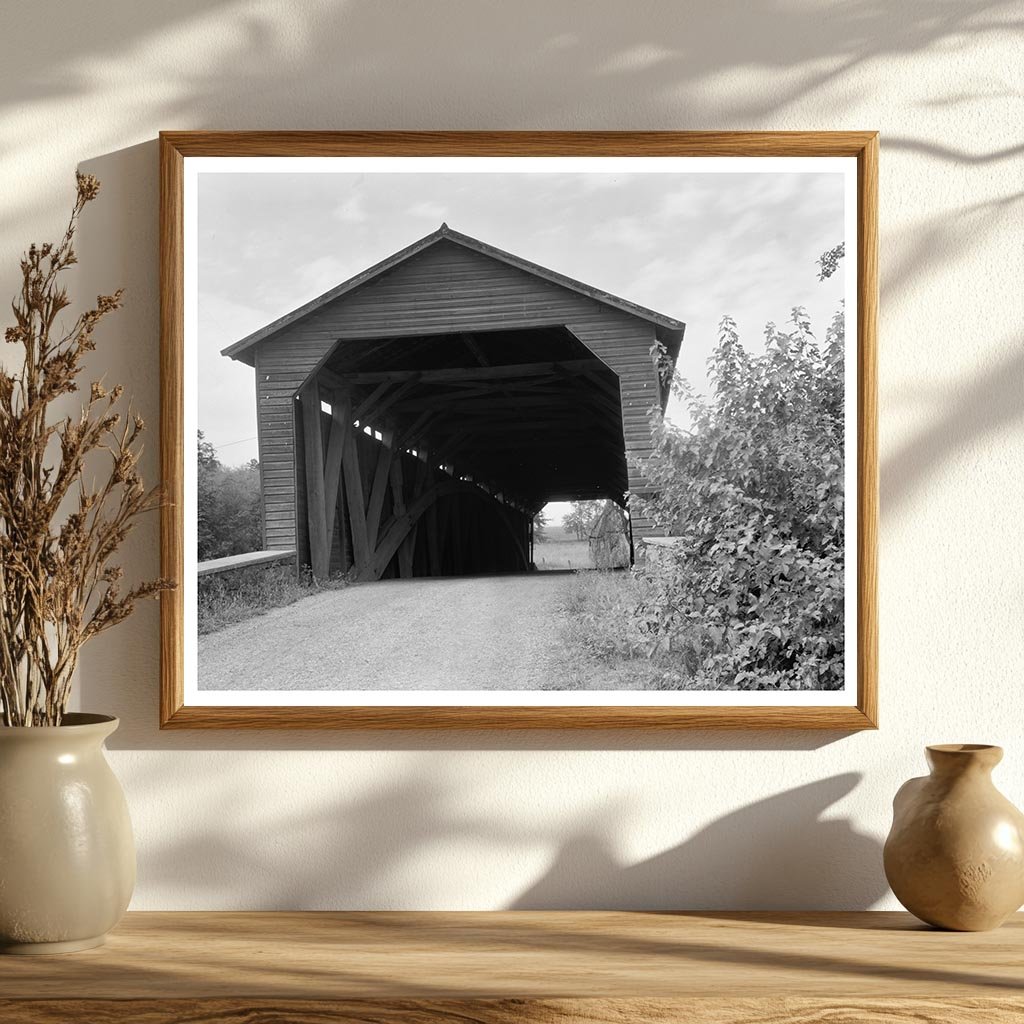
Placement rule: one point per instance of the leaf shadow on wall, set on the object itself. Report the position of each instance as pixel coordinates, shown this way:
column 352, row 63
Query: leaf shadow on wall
column 355, row 64
column 402, row 848
column 341, row 48
column 779, row 853
column 940, row 242
column 968, row 412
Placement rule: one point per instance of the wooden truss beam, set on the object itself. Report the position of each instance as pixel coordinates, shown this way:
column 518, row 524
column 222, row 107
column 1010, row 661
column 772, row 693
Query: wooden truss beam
column 336, row 483
column 473, row 373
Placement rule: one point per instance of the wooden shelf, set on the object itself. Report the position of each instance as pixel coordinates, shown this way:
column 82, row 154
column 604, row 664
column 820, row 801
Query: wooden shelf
column 500, row 968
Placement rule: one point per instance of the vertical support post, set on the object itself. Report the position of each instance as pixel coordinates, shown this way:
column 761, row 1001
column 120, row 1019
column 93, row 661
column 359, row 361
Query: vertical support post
column 361, row 553
column 421, row 484
column 457, row 538
column 337, row 439
column 632, row 549
column 316, row 509
column 398, row 500
column 378, row 490
column 342, row 520
column 262, row 463
column 480, row 562
column 433, row 542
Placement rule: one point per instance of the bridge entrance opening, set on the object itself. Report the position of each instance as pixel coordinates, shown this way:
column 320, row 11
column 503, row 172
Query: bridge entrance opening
column 431, row 455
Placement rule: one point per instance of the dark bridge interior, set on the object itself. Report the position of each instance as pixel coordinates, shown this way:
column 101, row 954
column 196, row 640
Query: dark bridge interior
column 439, row 449
column 533, row 414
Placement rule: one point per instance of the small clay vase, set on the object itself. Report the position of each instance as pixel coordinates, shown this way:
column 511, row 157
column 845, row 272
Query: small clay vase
column 955, row 854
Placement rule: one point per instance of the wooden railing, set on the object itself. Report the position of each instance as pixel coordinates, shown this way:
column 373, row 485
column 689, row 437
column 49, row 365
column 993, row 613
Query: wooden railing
column 246, row 561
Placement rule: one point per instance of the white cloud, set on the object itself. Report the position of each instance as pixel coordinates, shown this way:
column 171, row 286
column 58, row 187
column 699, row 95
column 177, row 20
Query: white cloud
column 628, row 231
column 227, row 408
column 320, row 275
column 428, row 211
column 352, row 211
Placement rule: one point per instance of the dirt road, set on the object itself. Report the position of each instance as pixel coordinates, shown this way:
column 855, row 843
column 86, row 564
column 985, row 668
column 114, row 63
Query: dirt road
column 464, row 633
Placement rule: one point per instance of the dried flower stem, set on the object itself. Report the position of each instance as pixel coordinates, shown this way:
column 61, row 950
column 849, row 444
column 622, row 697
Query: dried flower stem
column 58, row 587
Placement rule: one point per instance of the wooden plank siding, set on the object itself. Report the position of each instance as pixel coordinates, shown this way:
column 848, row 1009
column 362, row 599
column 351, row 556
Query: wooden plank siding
column 446, row 288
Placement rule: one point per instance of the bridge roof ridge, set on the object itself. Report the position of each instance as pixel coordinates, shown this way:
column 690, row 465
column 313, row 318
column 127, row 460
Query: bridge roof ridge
column 669, row 329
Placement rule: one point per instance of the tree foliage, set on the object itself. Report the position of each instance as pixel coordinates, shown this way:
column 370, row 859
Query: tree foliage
column 581, row 516
column 540, row 526
column 751, row 596
column 828, row 264
column 228, row 505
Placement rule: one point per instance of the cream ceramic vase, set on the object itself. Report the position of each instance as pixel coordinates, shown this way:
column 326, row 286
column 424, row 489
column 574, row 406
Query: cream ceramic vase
column 67, row 859
column 955, row 854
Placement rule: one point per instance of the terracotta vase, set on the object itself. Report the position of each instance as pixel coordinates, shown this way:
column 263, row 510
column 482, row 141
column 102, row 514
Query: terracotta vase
column 67, row 859
column 955, row 854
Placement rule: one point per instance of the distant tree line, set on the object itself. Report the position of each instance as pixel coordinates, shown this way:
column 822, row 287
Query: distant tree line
column 228, row 502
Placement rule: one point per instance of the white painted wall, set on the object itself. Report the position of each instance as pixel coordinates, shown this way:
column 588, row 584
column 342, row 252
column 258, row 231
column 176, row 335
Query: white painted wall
column 336, row 820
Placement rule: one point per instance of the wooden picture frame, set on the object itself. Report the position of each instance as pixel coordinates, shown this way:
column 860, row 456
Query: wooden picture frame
column 178, row 147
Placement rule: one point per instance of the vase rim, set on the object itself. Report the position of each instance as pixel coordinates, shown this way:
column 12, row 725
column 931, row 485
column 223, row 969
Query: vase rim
column 958, row 757
column 962, row 748
column 71, row 721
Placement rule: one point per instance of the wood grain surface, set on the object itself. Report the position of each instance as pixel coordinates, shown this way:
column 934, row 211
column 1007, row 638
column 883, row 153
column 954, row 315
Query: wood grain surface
column 176, row 146
column 172, row 452
column 849, row 719
column 513, row 1011
column 524, row 966
column 523, row 143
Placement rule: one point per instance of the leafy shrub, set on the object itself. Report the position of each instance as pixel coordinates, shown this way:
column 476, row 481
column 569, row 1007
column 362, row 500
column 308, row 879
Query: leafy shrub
column 752, row 595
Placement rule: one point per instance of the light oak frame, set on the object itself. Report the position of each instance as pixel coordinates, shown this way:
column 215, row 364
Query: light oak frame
column 176, row 146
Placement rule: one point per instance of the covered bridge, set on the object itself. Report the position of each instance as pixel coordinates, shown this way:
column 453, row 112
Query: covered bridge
column 414, row 419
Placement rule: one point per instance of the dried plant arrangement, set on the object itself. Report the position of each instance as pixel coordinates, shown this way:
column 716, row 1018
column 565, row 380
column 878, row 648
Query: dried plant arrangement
column 58, row 533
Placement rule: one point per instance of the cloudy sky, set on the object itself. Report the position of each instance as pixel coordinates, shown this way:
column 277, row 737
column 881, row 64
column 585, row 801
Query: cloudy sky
column 693, row 246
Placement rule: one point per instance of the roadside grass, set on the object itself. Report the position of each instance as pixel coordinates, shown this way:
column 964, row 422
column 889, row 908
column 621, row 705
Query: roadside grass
column 241, row 594
column 552, row 555
column 606, row 647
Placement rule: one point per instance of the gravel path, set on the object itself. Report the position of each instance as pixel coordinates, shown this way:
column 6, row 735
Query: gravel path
column 462, row 633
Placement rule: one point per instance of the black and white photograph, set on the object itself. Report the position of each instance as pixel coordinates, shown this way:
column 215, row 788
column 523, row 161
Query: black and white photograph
column 520, row 430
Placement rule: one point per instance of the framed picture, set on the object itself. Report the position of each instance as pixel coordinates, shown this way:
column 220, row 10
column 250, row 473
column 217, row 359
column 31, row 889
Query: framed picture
column 519, row 430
